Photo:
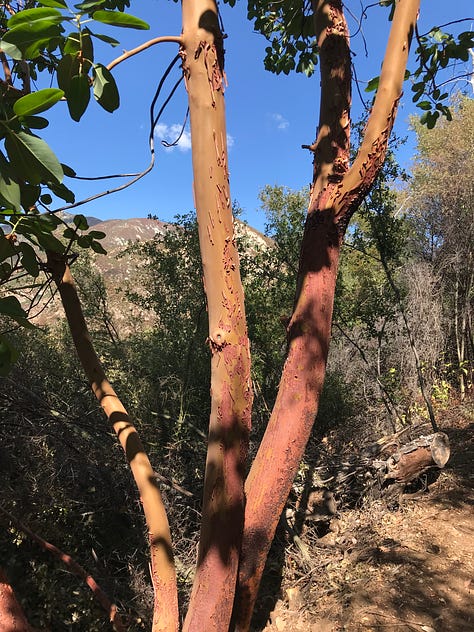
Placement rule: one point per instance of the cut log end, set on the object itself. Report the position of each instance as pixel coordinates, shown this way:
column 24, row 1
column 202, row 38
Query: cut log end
column 412, row 460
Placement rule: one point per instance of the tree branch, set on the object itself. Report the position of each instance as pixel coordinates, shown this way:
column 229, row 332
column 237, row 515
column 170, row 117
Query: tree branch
column 75, row 568
column 157, row 40
column 162, row 564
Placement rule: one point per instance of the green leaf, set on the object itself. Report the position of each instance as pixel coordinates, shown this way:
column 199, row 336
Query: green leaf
column 78, row 96
column 32, row 158
column 10, row 193
column 80, row 222
column 424, row 105
column 97, row 247
column 10, row 306
column 35, row 122
column 8, row 356
column 105, row 88
column 5, row 271
column 58, row 4
column 84, row 241
column 68, row 171
column 69, row 233
column 29, row 260
column 30, row 17
column 106, row 39
column 50, row 242
column 115, row 18
column 9, row 188
column 46, row 198
column 372, row 85
column 85, row 6
column 29, row 194
column 27, row 43
column 97, row 234
column 67, row 68
column 80, row 44
column 37, row 101
column 31, row 31
column 63, row 192
column 7, row 249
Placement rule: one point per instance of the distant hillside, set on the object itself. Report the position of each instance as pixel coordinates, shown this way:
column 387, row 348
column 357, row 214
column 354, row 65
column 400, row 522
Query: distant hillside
column 119, row 270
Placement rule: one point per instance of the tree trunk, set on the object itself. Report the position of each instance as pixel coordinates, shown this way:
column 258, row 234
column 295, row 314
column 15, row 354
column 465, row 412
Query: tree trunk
column 336, row 193
column 165, row 611
column 12, row 618
column 223, row 503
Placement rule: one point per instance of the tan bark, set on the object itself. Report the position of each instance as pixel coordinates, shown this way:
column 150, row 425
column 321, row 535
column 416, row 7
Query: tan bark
column 336, row 193
column 165, row 615
column 229, row 425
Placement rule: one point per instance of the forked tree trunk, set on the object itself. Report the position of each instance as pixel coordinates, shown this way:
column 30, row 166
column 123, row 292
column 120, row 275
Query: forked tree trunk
column 337, row 192
column 165, row 610
column 223, row 504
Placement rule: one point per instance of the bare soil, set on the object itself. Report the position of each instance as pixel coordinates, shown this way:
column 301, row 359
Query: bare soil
column 408, row 566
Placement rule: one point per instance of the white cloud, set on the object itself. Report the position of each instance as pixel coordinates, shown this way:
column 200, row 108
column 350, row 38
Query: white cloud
column 170, row 133
column 280, row 121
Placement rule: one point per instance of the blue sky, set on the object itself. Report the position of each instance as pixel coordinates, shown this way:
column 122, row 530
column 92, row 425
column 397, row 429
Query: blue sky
column 268, row 117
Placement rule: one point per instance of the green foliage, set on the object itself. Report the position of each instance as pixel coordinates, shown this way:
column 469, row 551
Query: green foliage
column 57, row 39
column 436, row 51
column 290, row 29
column 289, row 26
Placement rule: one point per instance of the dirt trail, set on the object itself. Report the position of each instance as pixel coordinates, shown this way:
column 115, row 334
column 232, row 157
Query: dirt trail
column 410, row 568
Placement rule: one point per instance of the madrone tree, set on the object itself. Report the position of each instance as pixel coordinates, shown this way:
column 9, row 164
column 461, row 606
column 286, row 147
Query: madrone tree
column 240, row 512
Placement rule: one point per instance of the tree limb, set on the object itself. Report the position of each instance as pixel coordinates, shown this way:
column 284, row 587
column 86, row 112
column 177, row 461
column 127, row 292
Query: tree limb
column 163, row 570
column 157, row 40
column 75, row 568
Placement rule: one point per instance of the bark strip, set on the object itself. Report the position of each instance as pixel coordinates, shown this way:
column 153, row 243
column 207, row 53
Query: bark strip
column 336, row 193
column 165, row 613
column 231, row 396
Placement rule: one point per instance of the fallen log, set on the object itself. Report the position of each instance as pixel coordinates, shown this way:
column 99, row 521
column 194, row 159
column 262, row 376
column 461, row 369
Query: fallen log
column 381, row 469
column 413, row 459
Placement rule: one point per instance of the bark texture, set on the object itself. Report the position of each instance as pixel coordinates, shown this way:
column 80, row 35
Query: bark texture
column 12, row 618
column 336, row 193
column 165, row 614
column 231, row 396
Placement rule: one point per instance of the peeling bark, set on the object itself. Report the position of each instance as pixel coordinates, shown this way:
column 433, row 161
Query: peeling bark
column 223, row 503
column 165, row 613
column 336, row 193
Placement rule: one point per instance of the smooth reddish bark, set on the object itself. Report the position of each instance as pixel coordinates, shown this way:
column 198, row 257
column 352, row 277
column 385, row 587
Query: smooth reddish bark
column 336, row 193
column 231, row 396
column 12, row 618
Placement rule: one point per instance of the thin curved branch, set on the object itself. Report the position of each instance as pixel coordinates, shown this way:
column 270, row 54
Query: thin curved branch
column 157, row 40
column 74, row 567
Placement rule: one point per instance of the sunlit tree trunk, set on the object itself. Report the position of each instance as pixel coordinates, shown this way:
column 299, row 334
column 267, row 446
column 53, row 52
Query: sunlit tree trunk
column 223, row 503
column 165, row 609
column 336, row 193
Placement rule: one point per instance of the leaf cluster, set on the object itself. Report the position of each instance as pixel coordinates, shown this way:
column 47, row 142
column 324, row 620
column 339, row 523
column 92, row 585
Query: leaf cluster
column 289, row 27
column 436, row 52
column 53, row 37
